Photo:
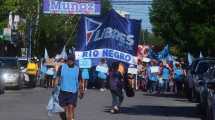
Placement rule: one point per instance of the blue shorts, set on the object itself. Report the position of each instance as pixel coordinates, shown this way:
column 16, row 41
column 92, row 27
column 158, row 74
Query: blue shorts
column 68, row 98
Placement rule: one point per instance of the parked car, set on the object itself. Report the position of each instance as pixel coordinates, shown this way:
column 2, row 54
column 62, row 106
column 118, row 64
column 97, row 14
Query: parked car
column 1, row 87
column 207, row 94
column 210, row 108
column 10, row 73
column 22, row 62
column 195, row 75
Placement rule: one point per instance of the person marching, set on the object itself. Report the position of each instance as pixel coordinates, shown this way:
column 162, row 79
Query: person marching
column 178, row 78
column 116, row 86
column 71, row 84
column 85, row 76
column 102, row 76
column 32, row 71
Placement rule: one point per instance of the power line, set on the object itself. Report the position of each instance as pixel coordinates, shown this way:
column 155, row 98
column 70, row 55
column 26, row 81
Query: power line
column 124, row 2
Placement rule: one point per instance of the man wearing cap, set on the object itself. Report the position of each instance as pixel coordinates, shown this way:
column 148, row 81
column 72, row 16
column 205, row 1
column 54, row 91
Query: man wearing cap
column 70, row 82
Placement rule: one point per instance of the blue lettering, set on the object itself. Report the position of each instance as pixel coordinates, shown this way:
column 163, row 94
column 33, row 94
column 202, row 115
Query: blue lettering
column 65, row 6
column 121, row 56
column 127, row 57
column 83, row 7
column 95, row 53
column 116, row 55
column 90, row 53
column 105, row 53
column 74, row 7
column 55, row 5
column 85, row 54
column 91, row 7
column 111, row 53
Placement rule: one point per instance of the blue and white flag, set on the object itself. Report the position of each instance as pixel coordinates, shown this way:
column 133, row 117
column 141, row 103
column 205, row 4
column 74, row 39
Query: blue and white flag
column 159, row 55
column 190, row 58
column 46, row 56
column 201, row 55
column 110, row 36
column 63, row 53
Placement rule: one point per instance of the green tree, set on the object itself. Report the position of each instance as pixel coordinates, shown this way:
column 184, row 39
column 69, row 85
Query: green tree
column 55, row 31
column 187, row 24
column 48, row 30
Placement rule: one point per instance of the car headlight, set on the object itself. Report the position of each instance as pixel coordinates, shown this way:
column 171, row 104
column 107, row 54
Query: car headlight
column 5, row 76
column 9, row 77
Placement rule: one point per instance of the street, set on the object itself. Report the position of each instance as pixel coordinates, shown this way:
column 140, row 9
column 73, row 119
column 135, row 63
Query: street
column 30, row 104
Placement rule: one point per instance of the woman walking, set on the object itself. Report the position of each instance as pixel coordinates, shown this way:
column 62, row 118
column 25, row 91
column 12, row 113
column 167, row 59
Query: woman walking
column 116, row 85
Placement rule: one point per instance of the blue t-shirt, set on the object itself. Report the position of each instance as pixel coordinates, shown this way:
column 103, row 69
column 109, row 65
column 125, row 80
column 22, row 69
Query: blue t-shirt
column 178, row 74
column 43, row 69
column 152, row 76
column 165, row 73
column 102, row 75
column 69, row 78
column 85, row 74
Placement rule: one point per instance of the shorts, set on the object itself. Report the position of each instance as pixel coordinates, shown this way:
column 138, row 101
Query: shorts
column 68, row 98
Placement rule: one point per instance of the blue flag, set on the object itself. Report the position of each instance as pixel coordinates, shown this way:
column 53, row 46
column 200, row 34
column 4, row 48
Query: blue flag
column 110, row 36
column 190, row 58
column 159, row 55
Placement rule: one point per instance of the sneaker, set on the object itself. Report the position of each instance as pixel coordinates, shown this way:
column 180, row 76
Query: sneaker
column 116, row 108
column 102, row 90
column 112, row 111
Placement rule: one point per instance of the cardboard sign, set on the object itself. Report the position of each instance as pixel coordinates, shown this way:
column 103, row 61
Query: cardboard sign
column 154, row 69
column 85, row 63
column 132, row 70
column 146, row 59
column 102, row 69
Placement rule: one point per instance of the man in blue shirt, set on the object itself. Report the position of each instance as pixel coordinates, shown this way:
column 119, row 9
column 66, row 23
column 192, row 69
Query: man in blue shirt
column 165, row 76
column 70, row 82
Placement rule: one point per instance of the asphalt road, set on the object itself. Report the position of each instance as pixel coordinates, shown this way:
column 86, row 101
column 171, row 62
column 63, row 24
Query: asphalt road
column 30, row 104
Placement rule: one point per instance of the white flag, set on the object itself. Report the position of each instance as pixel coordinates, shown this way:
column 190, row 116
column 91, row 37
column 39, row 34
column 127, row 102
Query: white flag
column 63, row 53
column 200, row 55
column 46, row 56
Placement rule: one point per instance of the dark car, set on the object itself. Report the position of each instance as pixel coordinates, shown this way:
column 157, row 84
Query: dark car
column 10, row 73
column 195, row 75
column 207, row 87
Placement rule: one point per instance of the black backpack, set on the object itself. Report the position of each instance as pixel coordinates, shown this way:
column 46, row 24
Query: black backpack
column 128, row 88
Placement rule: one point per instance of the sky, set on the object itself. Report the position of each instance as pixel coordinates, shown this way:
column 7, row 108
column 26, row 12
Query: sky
column 140, row 12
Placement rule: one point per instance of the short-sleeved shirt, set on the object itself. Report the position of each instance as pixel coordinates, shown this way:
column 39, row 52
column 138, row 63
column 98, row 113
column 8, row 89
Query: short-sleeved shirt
column 152, row 76
column 115, row 80
column 69, row 78
column 165, row 73
column 43, row 69
column 85, row 74
column 178, row 74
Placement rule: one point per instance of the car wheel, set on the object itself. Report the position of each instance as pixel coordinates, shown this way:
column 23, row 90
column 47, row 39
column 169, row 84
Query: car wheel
column 32, row 84
column 195, row 97
column 209, row 115
column 20, row 84
column 2, row 90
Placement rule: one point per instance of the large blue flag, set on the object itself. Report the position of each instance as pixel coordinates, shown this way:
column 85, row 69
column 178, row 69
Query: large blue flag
column 159, row 55
column 110, row 36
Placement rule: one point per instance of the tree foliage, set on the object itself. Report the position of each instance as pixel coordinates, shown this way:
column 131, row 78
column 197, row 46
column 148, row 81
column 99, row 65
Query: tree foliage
column 49, row 31
column 187, row 24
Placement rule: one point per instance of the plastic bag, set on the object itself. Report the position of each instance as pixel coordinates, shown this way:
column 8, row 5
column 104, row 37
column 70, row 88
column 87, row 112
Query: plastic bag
column 53, row 104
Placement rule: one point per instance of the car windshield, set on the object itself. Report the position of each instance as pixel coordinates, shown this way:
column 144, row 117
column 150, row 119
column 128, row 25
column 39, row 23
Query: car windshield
column 202, row 67
column 23, row 63
column 8, row 63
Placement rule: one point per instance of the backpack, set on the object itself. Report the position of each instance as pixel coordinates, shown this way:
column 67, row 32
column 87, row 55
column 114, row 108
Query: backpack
column 129, row 91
